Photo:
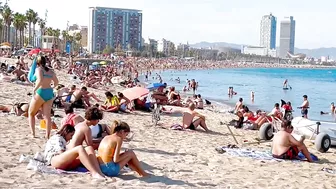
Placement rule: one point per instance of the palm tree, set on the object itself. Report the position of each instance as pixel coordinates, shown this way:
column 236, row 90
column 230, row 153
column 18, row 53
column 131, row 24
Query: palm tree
column 42, row 27
column 1, row 29
column 78, row 38
column 22, row 26
column 35, row 20
column 31, row 15
column 16, row 24
column 7, row 15
column 49, row 31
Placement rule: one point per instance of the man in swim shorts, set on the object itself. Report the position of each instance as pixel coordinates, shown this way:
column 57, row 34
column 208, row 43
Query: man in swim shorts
column 285, row 146
column 304, row 107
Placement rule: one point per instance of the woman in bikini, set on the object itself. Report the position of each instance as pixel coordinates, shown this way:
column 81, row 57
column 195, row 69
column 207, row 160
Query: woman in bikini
column 110, row 159
column 58, row 156
column 43, row 95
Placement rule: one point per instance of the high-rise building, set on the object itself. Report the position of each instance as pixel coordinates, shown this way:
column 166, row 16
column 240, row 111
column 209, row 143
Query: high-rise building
column 268, row 31
column 287, row 36
column 114, row 27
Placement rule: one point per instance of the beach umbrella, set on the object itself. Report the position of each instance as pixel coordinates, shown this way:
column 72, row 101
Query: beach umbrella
column 6, row 44
column 95, row 63
column 78, row 62
column 135, row 92
column 5, row 47
column 103, row 63
column 34, row 51
column 154, row 86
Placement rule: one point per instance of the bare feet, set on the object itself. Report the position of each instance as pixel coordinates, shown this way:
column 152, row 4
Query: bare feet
column 144, row 175
column 98, row 176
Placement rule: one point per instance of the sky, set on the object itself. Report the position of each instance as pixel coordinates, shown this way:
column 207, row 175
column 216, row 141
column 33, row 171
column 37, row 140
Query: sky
column 182, row 21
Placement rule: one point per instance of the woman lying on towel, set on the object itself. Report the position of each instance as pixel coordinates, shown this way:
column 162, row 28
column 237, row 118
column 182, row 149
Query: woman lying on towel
column 285, row 146
column 110, row 159
column 57, row 155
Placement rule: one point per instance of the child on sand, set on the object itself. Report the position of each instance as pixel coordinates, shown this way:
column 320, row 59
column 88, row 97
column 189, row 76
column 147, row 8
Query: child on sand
column 110, row 159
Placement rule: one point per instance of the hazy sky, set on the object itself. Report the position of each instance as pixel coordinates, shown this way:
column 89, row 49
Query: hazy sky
column 234, row 21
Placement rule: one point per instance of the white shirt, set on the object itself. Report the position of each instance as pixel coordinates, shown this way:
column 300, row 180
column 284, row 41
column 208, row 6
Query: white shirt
column 55, row 145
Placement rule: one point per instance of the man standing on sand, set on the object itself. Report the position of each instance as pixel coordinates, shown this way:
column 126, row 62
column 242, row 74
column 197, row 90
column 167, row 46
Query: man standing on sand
column 239, row 105
column 304, row 107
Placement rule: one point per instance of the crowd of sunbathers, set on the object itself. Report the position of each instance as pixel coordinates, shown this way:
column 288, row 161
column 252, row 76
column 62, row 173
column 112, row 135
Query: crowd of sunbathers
column 249, row 120
column 285, row 146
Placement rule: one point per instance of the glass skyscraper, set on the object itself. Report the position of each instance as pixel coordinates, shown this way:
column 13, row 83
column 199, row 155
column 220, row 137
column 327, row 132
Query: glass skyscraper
column 287, row 36
column 268, row 31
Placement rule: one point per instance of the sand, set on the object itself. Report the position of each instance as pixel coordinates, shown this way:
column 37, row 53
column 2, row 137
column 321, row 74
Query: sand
column 176, row 159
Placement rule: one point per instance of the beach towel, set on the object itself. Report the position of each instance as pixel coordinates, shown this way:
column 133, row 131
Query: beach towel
column 177, row 127
column 37, row 163
column 260, row 155
column 31, row 74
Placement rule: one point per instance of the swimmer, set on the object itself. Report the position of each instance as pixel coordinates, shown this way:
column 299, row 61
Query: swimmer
column 252, row 96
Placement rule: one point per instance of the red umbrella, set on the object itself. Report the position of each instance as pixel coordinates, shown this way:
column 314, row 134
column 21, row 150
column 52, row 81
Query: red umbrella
column 34, row 51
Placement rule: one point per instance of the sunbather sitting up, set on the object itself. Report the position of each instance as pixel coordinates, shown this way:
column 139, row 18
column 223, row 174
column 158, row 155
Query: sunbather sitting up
column 285, row 146
column 71, row 118
column 59, row 156
column 83, row 132
column 188, row 119
column 110, row 159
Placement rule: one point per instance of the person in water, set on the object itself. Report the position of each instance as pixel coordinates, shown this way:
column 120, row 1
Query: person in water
column 332, row 110
column 59, row 156
column 43, row 95
column 285, row 146
column 110, row 158
column 304, row 107
column 285, row 84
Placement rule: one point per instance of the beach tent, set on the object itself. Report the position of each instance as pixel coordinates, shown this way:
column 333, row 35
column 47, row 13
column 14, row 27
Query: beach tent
column 135, row 92
column 154, row 86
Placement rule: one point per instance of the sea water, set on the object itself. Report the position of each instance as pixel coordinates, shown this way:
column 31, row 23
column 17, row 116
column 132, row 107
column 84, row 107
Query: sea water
column 267, row 85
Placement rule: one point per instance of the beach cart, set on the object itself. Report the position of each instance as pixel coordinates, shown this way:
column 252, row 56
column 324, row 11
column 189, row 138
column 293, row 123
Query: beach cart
column 322, row 134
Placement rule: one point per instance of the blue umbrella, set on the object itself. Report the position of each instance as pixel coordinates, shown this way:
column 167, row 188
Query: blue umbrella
column 154, row 86
column 95, row 63
column 78, row 62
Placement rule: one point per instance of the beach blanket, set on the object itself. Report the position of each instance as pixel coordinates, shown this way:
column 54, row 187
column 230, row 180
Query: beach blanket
column 36, row 163
column 260, row 155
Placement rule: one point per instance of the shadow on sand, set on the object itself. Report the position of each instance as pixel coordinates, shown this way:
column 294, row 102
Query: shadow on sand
column 160, row 152
column 156, row 179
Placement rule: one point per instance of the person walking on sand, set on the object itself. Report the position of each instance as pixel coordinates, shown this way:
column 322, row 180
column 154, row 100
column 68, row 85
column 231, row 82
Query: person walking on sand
column 43, row 95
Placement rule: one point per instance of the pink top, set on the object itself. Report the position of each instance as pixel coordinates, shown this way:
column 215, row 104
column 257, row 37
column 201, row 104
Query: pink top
column 68, row 119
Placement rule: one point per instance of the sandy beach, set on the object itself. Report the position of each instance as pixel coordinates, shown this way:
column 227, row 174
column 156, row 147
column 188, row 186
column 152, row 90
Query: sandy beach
column 176, row 159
